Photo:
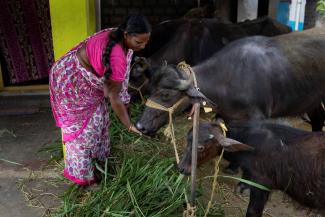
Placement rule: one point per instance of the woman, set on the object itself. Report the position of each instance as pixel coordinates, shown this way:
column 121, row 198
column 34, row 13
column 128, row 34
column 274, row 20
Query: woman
column 95, row 69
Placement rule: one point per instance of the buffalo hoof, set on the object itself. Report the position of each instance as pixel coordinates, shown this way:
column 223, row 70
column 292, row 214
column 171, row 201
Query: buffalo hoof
column 231, row 169
column 242, row 189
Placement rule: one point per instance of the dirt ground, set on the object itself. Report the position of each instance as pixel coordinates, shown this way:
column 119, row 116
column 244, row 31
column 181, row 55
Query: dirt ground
column 29, row 187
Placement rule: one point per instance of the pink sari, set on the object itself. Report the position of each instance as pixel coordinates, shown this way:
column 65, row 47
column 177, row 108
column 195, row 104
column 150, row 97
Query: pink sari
column 79, row 109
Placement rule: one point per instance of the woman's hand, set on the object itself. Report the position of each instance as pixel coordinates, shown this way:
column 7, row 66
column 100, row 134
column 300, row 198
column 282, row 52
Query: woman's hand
column 112, row 89
column 133, row 129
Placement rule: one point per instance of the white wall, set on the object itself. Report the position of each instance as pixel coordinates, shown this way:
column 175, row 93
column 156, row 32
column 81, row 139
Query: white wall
column 247, row 9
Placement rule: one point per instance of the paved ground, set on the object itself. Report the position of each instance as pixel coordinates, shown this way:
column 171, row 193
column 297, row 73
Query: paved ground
column 28, row 188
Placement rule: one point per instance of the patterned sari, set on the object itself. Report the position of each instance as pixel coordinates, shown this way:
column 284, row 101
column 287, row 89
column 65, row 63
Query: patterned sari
column 79, row 108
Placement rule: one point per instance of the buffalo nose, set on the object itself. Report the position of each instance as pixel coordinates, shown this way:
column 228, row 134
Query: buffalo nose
column 139, row 126
column 183, row 171
column 142, row 129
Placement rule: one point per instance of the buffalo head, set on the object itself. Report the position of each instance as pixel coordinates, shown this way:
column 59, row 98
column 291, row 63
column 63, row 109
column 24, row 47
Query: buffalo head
column 139, row 76
column 168, row 86
column 210, row 143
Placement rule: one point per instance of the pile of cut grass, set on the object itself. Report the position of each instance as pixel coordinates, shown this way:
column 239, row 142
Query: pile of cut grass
column 138, row 188
column 139, row 179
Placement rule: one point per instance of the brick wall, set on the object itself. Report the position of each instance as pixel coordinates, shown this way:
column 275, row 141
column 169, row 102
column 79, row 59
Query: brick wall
column 115, row 11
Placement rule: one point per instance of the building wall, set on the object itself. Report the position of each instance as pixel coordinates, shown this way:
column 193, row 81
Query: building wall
column 72, row 21
column 247, row 10
column 310, row 14
column 115, row 11
column 273, row 7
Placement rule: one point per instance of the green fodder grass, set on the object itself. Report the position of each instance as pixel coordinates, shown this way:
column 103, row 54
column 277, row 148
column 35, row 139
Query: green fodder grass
column 139, row 188
column 139, row 179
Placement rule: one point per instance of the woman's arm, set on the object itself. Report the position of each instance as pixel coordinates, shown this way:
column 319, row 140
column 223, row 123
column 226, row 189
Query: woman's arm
column 112, row 90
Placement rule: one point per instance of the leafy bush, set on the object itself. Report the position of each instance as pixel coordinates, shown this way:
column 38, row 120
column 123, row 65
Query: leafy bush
column 321, row 7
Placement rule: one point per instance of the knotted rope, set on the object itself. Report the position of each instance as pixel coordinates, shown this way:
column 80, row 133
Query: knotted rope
column 169, row 132
column 138, row 89
column 190, row 211
column 188, row 70
column 216, row 172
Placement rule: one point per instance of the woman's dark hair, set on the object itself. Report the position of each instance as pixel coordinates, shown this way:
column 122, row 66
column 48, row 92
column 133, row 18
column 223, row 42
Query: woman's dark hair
column 135, row 24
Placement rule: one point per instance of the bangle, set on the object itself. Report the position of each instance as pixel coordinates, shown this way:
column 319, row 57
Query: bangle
column 130, row 127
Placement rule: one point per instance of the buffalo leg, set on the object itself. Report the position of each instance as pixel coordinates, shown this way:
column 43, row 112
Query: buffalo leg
column 231, row 169
column 317, row 117
column 243, row 188
column 233, row 166
column 257, row 201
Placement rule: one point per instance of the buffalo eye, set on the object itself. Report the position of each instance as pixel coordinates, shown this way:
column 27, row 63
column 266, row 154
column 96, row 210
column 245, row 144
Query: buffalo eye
column 165, row 96
column 200, row 148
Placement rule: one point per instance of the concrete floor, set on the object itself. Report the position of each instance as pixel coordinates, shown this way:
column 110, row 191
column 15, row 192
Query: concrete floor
column 29, row 188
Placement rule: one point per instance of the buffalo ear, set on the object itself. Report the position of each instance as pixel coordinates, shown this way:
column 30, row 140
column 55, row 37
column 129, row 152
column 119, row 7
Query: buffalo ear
column 225, row 40
column 136, row 58
column 218, row 120
column 143, row 61
column 232, row 145
column 164, row 63
column 193, row 92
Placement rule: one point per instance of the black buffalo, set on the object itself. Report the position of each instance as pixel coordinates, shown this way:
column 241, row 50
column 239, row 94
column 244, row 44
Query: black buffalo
column 194, row 40
column 252, row 78
column 276, row 156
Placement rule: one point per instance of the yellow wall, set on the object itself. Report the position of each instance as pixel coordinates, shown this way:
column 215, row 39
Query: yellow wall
column 91, row 17
column 72, row 21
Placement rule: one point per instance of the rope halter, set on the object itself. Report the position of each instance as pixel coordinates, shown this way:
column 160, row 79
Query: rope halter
column 216, row 171
column 138, row 89
column 169, row 132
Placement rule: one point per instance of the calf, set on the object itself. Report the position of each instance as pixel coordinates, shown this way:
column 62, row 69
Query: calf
column 276, row 156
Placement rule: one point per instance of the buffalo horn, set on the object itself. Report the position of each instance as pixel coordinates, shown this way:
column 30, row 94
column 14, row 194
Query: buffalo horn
column 184, row 84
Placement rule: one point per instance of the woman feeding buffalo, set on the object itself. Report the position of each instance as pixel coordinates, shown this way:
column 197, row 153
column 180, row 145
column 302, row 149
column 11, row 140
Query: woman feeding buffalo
column 79, row 82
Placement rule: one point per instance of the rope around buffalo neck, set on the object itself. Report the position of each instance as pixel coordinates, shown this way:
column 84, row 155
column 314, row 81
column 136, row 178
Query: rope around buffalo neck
column 190, row 211
column 169, row 132
column 138, row 89
column 216, row 172
column 188, row 69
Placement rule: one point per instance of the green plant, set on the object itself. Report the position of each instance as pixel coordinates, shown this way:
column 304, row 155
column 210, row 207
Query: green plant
column 321, row 7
